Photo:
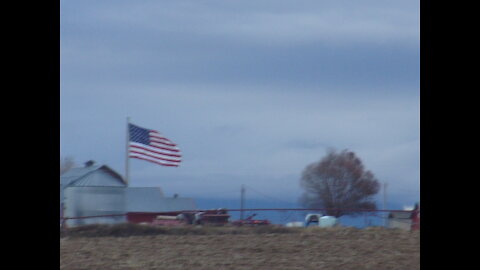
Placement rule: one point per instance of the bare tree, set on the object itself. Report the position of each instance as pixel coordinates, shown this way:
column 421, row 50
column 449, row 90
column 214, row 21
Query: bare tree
column 66, row 164
column 339, row 183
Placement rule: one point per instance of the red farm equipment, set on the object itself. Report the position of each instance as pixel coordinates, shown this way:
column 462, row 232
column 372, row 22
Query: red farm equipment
column 181, row 218
column 249, row 221
column 212, row 217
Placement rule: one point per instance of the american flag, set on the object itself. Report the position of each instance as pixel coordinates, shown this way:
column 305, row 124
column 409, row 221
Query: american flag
column 150, row 145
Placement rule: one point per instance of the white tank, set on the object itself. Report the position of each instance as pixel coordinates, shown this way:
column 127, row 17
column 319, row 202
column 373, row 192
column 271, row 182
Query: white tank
column 327, row 221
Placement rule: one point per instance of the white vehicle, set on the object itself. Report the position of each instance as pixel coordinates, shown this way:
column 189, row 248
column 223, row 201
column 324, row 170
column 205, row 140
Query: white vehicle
column 320, row 220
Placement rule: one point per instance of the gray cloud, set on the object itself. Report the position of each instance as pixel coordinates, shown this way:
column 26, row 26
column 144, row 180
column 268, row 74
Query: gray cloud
column 265, row 22
column 373, row 42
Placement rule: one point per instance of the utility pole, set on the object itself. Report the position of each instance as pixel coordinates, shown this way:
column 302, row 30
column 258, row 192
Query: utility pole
column 385, row 204
column 242, row 198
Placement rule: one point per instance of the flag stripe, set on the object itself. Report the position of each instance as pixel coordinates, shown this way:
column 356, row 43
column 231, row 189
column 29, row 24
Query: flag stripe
column 157, row 135
column 160, row 148
column 156, row 152
column 154, row 161
column 162, row 142
column 164, row 148
column 146, row 153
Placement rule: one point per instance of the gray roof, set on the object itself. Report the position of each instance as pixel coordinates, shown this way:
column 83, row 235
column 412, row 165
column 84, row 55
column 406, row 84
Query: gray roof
column 152, row 199
column 95, row 175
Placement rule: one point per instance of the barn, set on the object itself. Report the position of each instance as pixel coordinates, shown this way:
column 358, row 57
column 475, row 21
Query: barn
column 92, row 190
column 97, row 190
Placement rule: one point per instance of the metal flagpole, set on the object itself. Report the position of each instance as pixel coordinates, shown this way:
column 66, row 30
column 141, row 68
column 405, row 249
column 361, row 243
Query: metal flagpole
column 127, row 149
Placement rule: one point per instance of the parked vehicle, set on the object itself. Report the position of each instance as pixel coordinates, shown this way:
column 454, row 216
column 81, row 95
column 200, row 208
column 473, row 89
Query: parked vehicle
column 320, row 220
column 312, row 219
column 249, row 221
column 217, row 217
column 208, row 217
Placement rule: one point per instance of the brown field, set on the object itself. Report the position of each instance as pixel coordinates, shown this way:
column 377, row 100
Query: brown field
column 141, row 247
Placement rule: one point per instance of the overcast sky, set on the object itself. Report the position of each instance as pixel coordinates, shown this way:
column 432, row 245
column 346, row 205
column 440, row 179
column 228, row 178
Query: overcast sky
column 251, row 91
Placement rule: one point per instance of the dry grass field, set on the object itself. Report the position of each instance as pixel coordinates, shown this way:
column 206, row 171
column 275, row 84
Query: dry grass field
column 144, row 247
